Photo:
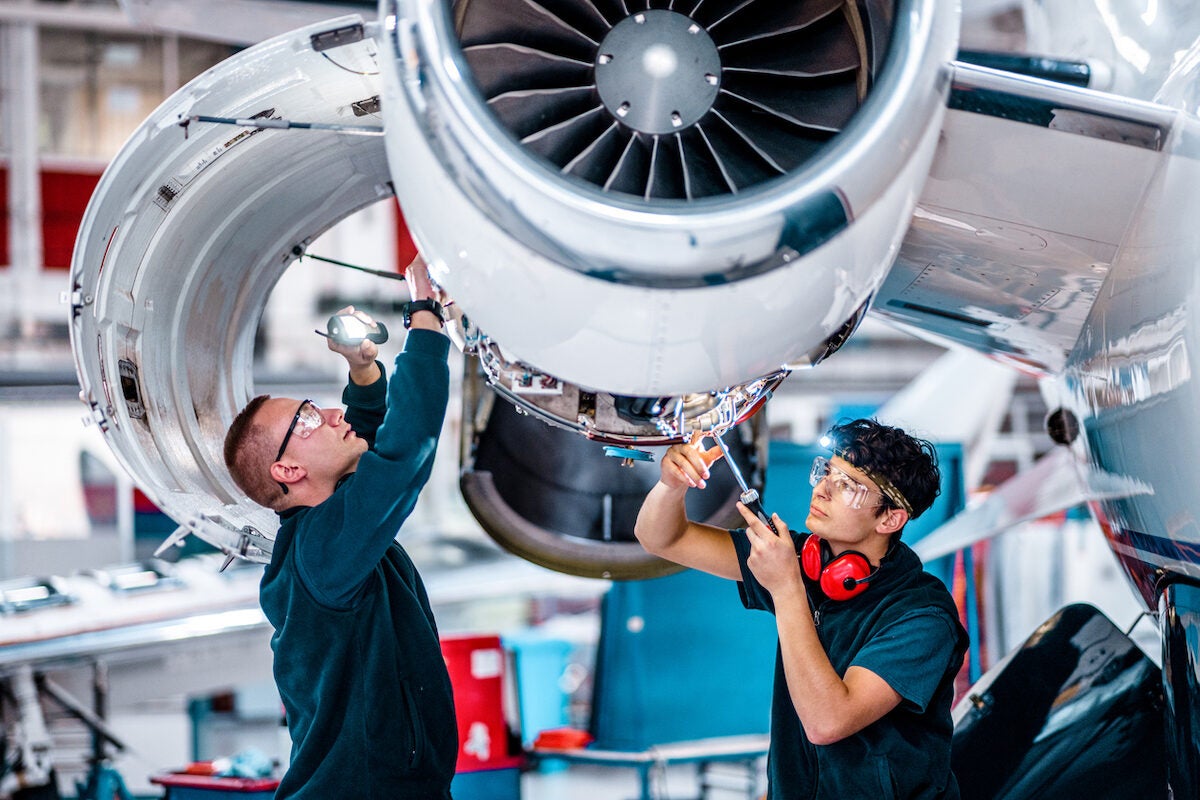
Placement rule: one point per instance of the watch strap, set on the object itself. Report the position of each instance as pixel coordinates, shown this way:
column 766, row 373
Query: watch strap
column 413, row 306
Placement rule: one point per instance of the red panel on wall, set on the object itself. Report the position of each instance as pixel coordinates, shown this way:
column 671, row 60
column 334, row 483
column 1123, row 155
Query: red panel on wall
column 65, row 195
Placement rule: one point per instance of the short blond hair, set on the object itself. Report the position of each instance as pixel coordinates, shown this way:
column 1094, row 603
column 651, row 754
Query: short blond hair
column 249, row 455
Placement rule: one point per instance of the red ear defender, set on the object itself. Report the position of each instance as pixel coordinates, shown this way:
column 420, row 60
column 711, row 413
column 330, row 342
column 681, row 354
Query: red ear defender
column 840, row 577
column 811, row 557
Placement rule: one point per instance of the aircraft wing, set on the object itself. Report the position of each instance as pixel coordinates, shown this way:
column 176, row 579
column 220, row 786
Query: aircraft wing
column 1050, row 235
column 1051, row 485
column 1033, row 189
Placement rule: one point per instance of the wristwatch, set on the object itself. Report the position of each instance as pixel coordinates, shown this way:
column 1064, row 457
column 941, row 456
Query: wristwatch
column 413, row 306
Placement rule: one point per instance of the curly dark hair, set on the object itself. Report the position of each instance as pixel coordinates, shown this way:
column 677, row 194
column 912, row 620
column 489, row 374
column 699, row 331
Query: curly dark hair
column 909, row 463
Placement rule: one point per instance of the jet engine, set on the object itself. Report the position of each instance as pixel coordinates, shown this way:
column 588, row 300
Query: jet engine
column 651, row 213
column 646, row 218
column 668, row 200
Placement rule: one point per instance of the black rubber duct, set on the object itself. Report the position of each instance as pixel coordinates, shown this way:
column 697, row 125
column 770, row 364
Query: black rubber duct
column 554, row 498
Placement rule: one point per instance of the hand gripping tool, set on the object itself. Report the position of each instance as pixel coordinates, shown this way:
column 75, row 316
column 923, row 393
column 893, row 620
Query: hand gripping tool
column 749, row 498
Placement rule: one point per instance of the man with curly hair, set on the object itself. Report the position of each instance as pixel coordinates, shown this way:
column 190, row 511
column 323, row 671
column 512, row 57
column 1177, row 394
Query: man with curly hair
column 869, row 643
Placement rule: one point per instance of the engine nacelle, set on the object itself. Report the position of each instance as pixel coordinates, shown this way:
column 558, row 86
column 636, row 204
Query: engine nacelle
column 704, row 218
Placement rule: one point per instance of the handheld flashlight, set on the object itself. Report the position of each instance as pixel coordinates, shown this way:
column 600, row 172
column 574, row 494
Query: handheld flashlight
column 349, row 330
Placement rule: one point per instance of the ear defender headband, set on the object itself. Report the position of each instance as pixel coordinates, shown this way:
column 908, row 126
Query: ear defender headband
column 840, row 577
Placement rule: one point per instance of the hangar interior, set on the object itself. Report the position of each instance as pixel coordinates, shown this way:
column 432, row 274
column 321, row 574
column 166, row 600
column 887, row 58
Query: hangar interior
column 180, row 672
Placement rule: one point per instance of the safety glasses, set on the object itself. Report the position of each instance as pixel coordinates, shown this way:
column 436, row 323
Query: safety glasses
column 306, row 420
column 852, row 493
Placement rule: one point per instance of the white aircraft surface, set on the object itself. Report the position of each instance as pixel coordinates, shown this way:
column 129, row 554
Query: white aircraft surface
column 648, row 214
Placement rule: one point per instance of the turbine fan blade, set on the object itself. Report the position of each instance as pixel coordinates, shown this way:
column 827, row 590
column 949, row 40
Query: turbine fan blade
column 708, row 162
column 667, row 178
column 613, row 10
column 528, row 112
column 742, row 158
column 595, row 163
column 629, row 173
column 753, row 19
column 582, row 15
column 826, row 48
column 779, row 143
column 819, row 107
column 706, row 173
column 525, row 23
column 561, row 143
column 501, row 68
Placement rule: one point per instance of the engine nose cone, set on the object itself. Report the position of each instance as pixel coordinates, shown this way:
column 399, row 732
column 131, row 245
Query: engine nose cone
column 658, row 72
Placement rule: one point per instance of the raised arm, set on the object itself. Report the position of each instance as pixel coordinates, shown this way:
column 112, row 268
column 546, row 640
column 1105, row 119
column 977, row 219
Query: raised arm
column 365, row 393
column 663, row 527
column 359, row 521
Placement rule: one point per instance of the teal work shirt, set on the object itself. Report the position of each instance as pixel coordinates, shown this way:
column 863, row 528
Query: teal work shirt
column 358, row 662
column 905, row 629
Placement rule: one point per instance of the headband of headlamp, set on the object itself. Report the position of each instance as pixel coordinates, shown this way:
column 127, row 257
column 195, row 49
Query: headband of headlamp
column 886, row 487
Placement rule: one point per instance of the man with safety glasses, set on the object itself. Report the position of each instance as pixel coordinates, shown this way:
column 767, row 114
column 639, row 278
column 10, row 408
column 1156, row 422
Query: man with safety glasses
column 869, row 643
column 357, row 658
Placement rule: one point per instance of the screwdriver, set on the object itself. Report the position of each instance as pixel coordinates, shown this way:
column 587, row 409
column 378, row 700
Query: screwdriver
column 749, row 498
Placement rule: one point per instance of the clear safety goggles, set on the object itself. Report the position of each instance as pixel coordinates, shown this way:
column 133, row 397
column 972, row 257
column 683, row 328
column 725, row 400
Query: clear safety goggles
column 852, row 493
column 307, row 419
